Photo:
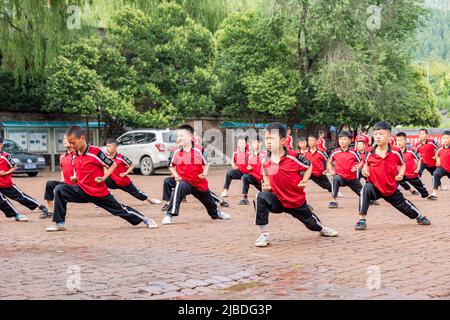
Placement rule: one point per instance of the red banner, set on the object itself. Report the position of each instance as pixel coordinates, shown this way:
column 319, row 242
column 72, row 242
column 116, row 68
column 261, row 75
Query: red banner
column 413, row 139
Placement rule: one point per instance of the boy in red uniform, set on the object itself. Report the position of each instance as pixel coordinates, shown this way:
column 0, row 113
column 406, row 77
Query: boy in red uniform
column 289, row 143
column 9, row 190
column 189, row 167
column 442, row 162
column 302, row 145
column 283, row 186
column 384, row 168
column 318, row 159
column 67, row 172
column 321, row 143
column 239, row 163
column 89, row 163
column 254, row 177
column 427, row 149
column 346, row 164
column 364, row 136
column 412, row 163
column 119, row 178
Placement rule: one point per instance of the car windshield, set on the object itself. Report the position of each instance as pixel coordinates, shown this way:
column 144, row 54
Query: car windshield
column 169, row 137
column 11, row 147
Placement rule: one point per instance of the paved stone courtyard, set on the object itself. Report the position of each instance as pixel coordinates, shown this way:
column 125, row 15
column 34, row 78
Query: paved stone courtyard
column 102, row 257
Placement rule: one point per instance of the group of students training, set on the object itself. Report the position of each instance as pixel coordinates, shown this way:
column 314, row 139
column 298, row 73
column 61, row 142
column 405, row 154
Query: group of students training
column 279, row 173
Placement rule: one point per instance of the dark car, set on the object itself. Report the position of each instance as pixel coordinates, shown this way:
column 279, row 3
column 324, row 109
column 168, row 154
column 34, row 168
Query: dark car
column 26, row 162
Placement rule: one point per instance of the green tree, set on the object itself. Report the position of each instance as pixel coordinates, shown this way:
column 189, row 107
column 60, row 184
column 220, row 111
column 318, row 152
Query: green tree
column 252, row 54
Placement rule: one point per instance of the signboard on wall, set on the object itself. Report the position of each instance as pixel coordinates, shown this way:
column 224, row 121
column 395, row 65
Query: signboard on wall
column 38, row 140
column 19, row 137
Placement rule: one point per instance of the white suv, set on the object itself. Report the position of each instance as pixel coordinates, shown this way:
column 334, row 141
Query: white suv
column 149, row 149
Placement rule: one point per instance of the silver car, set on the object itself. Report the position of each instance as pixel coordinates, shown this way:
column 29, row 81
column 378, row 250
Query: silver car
column 149, row 149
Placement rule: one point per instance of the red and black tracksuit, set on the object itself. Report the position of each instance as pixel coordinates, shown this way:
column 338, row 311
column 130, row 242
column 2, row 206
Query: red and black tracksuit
column 115, row 181
column 285, row 196
column 9, row 190
column 89, row 165
column 381, row 183
column 411, row 177
column 189, row 165
column 344, row 162
column 444, row 168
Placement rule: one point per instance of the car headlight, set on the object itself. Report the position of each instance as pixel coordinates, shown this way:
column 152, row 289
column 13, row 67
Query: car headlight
column 16, row 160
column 41, row 160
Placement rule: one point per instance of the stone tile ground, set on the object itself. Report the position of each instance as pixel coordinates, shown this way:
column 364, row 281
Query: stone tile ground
column 197, row 258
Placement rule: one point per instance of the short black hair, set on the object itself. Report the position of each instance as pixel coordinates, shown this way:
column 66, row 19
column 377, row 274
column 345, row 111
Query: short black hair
column 401, row 134
column 76, row 131
column 423, row 129
column 365, row 129
column 278, row 126
column 382, row 125
column 446, row 133
column 301, row 139
column 315, row 136
column 186, row 127
column 347, row 134
column 112, row 141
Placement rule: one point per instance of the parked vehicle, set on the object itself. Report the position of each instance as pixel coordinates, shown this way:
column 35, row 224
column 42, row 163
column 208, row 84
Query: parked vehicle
column 149, row 149
column 26, row 162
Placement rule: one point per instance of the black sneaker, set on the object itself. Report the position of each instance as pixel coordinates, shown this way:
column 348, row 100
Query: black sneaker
column 423, row 221
column 224, row 204
column 361, row 225
column 244, row 202
column 374, row 203
column 45, row 213
column 165, row 207
column 414, row 193
column 333, row 205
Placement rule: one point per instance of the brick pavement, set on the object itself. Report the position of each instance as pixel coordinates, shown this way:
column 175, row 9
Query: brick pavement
column 198, row 258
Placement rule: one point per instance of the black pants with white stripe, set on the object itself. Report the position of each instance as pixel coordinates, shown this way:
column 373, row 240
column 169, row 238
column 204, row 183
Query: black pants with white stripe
column 130, row 189
column 50, row 189
column 65, row 193
column 14, row 193
column 247, row 180
column 397, row 200
column 323, row 182
column 267, row 202
column 338, row 182
column 234, row 174
column 431, row 170
column 438, row 174
column 182, row 189
column 169, row 185
column 7, row 208
column 416, row 183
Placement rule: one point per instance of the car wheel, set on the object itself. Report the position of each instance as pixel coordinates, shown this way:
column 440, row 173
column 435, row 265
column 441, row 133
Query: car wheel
column 32, row 174
column 146, row 166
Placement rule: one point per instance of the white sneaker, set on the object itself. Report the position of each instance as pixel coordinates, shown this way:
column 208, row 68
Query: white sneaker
column 21, row 218
column 224, row 194
column 434, row 194
column 262, row 241
column 151, row 224
column 56, row 227
column 223, row 215
column 328, row 232
column 167, row 219
column 155, row 201
column 340, row 195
